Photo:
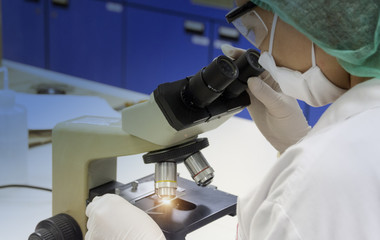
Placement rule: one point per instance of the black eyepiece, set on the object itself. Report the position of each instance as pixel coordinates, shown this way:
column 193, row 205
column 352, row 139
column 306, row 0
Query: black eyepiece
column 221, row 76
column 249, row 66
column 209, row 83
column 227, row 67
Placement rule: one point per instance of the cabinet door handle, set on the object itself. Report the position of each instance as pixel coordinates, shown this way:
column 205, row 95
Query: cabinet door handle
column 36, row 1
column 61, row 3
column 228, row 33
column 194, row 27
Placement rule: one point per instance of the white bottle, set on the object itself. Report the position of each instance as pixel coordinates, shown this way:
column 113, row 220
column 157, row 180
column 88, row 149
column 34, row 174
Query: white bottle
column 13, row 138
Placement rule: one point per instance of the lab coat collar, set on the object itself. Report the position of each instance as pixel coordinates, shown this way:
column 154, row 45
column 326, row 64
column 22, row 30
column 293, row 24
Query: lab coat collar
column 363, row 96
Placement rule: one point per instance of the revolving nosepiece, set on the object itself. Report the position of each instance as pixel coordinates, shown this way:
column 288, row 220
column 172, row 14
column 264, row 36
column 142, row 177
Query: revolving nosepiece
column 166, row 161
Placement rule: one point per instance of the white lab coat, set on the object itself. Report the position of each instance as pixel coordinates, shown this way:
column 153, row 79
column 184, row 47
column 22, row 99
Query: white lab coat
column 327, row 186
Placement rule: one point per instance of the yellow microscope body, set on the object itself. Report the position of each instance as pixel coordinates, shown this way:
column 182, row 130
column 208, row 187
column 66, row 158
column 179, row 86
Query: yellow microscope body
column 85, row 152
column 85, row 149
column 84, row 156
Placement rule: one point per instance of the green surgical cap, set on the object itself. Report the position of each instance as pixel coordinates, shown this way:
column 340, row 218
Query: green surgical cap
column 346, row 29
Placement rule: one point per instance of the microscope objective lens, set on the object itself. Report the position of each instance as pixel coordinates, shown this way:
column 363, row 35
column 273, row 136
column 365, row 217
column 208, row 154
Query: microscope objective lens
column 166, row 180
column 200, row 170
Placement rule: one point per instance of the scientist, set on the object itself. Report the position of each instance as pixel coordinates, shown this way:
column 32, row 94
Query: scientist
column 326, row 184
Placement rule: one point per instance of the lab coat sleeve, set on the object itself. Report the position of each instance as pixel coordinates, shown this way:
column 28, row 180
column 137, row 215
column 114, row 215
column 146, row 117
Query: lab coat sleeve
column 271, row 222
column 261, row 212
column 327, row 185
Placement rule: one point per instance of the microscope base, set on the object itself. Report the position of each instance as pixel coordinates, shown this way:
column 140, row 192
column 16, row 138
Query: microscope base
column 193, row 208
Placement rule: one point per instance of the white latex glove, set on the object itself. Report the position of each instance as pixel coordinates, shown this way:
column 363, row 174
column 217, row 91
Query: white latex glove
column 278, row 116
column 111, row 217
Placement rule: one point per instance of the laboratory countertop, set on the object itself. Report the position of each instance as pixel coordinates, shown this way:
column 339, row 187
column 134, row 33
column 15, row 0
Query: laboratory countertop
column 238, row 152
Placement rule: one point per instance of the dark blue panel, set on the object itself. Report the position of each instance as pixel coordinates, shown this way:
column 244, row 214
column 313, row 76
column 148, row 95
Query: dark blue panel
column 86, row 40
column 183, row 6
column 315, row 113
column 312, row 114
column 23, row 31
column 160, row 50
column 305, row 108
column 244, row 114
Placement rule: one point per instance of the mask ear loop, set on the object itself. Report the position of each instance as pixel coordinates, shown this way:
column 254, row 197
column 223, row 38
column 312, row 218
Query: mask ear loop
column 313, row 61
column 272, row 33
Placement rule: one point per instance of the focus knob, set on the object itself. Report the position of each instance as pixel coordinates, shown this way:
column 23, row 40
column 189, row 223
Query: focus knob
column 58, row 227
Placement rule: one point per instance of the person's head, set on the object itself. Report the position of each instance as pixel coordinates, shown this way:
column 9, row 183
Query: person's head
column 346, row 35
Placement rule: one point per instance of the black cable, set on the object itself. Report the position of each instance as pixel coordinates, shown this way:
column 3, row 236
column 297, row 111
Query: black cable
column 25, row 186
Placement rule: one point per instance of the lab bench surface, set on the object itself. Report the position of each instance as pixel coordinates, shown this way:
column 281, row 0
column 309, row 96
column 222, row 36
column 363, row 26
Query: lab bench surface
column 238, row 152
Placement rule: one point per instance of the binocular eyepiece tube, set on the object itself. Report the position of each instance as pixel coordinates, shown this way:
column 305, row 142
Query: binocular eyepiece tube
column 208, row 84
column 222, row 76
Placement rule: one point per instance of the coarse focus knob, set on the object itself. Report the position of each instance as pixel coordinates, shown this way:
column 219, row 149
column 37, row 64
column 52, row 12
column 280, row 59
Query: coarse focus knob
column 58, row 227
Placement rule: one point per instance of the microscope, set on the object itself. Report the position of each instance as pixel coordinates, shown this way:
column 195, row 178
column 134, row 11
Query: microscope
column 166, row 129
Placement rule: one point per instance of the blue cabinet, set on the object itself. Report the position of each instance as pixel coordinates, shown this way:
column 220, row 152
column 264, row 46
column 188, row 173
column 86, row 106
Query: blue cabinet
column 24, row 31
column 86, row 40
column 163, row 48
column 129, row 43
column 189, row 7
column 224, row 33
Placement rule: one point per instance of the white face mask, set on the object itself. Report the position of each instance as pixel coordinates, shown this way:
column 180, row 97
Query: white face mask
column 311, row 87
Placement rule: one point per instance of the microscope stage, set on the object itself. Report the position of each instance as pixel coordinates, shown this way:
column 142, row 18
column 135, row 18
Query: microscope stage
column 194, row 206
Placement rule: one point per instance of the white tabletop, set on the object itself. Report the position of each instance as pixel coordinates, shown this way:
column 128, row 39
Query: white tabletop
column 238, row 152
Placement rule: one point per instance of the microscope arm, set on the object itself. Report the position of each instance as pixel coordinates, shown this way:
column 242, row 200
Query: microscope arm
column 84, row 156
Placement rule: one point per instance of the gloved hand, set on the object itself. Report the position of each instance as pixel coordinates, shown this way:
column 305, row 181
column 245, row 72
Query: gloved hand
column 111, row 217
column 278, row 116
